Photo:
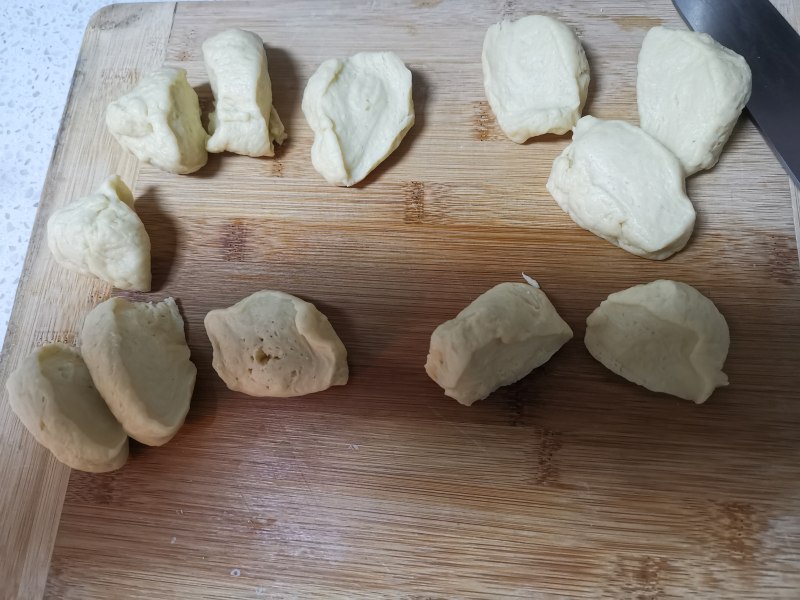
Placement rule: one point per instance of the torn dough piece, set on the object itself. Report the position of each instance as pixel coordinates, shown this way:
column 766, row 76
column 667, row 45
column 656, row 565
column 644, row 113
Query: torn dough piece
column 159, row 122
column 244, row 120
column 360, row 109
column 622, row 185
column 139, row 360
column 498, row 339
column 52, row 393
column 102, row 235
column 274, row 344
column 665, row 336
column 536, row 76
column 690, row 91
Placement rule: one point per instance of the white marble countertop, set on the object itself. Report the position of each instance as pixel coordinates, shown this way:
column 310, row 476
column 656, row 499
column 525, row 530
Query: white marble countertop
column 39, row 44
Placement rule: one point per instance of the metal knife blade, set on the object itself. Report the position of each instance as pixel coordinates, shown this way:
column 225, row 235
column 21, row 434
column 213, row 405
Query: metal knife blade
column 756, row 30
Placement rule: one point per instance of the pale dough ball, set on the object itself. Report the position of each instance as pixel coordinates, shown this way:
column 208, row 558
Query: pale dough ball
column 665, row 336
column 139, row 360
column 274, row 344
column 244, row 120
column 536, row 76
column 159, row 122
column 52, row 393
column 625, row 187
column 102, row 235
column 360, row 109
column 690, row 91
column 498, row 339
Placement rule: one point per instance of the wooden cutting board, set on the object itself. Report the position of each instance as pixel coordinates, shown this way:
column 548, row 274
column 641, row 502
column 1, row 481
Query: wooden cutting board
column 571, row 483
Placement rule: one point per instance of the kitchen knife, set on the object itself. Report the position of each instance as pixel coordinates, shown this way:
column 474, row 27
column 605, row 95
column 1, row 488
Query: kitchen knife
column 756, row 30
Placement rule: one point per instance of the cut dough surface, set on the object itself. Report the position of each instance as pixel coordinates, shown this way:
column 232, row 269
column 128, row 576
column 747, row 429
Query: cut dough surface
column 536, row 76
column 159, row 122
column 52, row 393
column 690, row 91
column 624, row 186
column 244, row 120
column 102, row 235
column 274, row 344
column 139, row 360
column 498, row 339
column 360, row 109
column 665, row 336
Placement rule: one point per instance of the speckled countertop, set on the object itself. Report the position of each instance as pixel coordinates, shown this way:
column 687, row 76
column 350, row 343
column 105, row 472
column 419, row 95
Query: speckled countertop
column 39, row 44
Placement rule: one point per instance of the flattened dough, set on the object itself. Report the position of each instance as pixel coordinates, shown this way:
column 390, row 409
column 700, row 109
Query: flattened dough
column 52, row 393
column 690, row 91
column 139, row 360
column 498, row 339
column 624, row 186
column 536, row 76
column 274, row 344
column 102, row 235
column 360, row 109
column 244, row 120
column 159, row 122
column 665, row 336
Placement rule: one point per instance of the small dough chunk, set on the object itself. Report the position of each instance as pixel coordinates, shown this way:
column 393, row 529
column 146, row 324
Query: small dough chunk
column 622, row 185
column 52, row 393
column 102, row 235
column 360, row 109
column 159, row 121
column 139, row 360
column 244, row 120
column 536, row 76
column 502, row 336
column 274, row 344
column 665, row 336
column 690, row 91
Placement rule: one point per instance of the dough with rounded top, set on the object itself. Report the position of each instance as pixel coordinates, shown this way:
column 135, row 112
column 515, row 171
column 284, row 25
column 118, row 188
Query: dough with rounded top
column 536, row 76
column 52, row 393
column 244, row 120
column 498, row 339
column 159, row 122
column 139, row 360
column 102, row 235
column 625, row 187
column 275, row 344
column 665, row 336
column 690, row 91
column 360, row 109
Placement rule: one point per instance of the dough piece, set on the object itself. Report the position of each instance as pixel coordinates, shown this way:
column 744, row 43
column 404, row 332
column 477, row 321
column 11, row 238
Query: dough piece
column 498, row 339
column 139, row 360
column 102, row 235
column 536, row 76
column 52, row 393
column 665, row 336
column 690, row 92
column 360, row 109
column 159, row 121
column 274, row 344
column 244, row 120
column 622, row 185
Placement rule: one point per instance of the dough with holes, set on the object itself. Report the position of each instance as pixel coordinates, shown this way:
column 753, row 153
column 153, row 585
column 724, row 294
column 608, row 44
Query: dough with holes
column 102, row 235
column 244, row 120
column 274, row 344
column 536, row 76
column 498, row 339
column 52, row 393
column 665, row 336
column 139, row 360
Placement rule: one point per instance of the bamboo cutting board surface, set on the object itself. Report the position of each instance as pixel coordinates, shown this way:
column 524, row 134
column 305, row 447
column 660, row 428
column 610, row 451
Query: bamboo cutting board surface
column 571, row 483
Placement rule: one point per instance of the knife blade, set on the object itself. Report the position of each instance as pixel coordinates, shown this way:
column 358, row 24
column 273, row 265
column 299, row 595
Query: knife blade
column 756, row 30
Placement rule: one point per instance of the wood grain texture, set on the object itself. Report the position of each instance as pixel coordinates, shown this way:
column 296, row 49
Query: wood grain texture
column 571, row 483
